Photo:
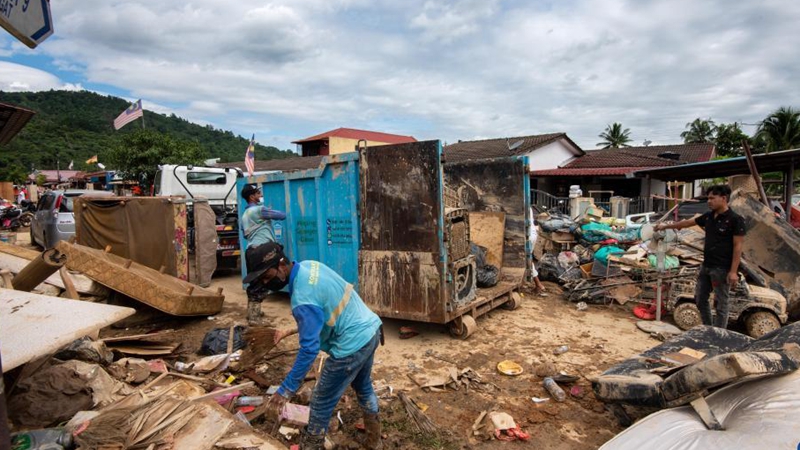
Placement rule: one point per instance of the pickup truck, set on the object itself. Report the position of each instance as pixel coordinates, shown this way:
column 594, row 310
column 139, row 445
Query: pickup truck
column 218, row 186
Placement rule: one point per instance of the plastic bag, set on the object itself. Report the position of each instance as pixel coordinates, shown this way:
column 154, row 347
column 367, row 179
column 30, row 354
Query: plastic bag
column 486, row 276
column 603, row 254
column 670, row 262
column 215, row 341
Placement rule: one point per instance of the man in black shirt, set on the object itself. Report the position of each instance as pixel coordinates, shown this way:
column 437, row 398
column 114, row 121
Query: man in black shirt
column 721, row 253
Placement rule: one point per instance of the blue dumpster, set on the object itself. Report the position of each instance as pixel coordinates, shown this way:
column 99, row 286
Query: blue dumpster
column 321, row 206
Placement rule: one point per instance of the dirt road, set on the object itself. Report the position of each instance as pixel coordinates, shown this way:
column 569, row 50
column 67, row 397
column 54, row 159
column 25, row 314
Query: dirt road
column 597, row 338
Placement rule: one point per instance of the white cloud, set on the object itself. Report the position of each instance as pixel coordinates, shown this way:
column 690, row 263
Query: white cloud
column 430, row 68
column 17, row 78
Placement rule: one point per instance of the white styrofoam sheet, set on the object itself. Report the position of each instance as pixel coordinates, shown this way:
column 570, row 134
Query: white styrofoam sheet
column 756, row 415
column 33, row 325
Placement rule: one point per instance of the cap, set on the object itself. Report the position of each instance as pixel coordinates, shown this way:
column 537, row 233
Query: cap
column 262, row 258
column 249, row 190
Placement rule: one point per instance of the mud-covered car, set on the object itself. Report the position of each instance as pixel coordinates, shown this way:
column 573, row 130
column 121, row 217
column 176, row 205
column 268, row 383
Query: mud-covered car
column 761, row 310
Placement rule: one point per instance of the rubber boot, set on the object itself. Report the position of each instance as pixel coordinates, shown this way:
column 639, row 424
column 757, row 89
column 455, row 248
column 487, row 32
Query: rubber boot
column 254, row 313
column 372, row 426
column 312, row 442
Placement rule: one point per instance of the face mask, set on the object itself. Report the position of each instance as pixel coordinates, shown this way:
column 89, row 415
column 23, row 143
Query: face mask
column 276, row 284
column 261, row 201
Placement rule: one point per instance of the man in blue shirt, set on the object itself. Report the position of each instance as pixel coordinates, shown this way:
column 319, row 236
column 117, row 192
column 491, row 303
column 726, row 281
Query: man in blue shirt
column 257, row 229
column 330, row 317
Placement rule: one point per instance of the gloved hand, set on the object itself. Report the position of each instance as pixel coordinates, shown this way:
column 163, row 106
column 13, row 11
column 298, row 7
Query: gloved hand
column 275, row 407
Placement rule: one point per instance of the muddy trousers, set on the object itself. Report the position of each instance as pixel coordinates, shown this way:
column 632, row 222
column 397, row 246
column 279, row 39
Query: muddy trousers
column 338, row 373
column 715, row 278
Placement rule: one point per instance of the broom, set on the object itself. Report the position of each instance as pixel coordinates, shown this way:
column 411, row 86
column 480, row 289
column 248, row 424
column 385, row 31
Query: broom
column 421, row 421
column 260, row 341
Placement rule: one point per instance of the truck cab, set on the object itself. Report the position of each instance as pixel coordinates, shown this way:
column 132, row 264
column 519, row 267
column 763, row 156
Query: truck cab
column 217, row 185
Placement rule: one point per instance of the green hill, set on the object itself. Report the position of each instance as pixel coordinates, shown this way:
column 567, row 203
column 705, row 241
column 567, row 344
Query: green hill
column 74, row 126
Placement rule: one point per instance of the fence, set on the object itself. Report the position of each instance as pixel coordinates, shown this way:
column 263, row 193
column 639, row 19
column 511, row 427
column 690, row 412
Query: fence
column 543, row 201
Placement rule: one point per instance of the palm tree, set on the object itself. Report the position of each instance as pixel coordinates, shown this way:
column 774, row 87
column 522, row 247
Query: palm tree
column 781, row 129
column 614, row 136
column 700, row 131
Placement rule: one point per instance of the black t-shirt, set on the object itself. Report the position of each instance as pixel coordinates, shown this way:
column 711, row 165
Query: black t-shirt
column 720, row 230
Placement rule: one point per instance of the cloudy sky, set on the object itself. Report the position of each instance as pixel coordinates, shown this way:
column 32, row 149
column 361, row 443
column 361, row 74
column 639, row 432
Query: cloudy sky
column 433, row 69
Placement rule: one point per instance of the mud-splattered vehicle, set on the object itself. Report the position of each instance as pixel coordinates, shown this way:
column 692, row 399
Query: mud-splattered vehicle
column 761, row 310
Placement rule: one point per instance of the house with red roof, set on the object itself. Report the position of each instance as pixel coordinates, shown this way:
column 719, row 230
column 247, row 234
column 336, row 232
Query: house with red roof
column 544, row 151
column 343, row 140
column 612, row 169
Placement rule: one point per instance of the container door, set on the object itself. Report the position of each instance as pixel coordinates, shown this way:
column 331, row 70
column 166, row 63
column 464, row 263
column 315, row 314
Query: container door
column 402, row 257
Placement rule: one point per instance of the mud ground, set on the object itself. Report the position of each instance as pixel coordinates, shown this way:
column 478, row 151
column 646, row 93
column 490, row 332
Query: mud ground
column 597, row 338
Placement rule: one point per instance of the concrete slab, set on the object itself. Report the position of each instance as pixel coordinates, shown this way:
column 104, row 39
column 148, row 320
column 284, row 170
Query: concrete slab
column 33, row 325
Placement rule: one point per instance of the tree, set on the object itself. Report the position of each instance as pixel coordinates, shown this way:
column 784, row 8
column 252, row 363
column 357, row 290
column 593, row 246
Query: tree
column 729, row 140
column 780, row 130
column 700, row 131
column 137, row 155
column 614, row 136
column 14, row 173
column 41, row 179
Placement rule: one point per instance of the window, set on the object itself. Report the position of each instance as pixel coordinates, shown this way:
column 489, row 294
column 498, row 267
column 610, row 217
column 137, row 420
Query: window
column 46, row 202
column 205, row 178
column 67, row 204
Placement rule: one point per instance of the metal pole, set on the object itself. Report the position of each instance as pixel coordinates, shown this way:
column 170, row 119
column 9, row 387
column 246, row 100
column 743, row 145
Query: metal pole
column 143, row 118
column 754, row 172
column 789, row 188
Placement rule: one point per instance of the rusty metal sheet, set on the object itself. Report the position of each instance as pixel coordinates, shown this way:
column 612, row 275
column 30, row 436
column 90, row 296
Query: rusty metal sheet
column 401, row 197
column 402, row 285
column 401, row 262
column 497, row 185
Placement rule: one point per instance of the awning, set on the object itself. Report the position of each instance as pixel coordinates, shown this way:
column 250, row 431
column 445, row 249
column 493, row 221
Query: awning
column 12, row 119
column 765, row 162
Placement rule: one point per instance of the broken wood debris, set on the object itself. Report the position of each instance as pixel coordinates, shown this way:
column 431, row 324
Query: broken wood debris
column 455, row 379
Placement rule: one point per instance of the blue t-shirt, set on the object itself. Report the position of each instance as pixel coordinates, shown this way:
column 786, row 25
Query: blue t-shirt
column 330, row 316
column 257, row 224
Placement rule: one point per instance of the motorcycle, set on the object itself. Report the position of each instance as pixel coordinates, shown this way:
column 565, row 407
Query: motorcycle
column 9, row 218
column 28, row 208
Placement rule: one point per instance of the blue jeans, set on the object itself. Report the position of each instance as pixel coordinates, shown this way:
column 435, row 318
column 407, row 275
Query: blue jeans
column 354, row 370
column 715, row 278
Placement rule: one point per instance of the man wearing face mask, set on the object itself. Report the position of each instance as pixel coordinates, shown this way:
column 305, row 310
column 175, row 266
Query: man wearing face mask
column 330, row 317
column 257, row 229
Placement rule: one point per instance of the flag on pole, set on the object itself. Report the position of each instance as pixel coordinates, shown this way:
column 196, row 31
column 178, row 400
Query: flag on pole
column 71, row 165
column 92, row 160
column 129, row 115
column 250, row 157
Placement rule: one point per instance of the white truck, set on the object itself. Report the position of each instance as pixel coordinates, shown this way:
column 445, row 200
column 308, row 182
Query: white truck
column 217, row 185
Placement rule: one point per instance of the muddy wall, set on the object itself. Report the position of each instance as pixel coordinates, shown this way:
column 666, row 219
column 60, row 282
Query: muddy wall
column 771, row 244
column 496, row 185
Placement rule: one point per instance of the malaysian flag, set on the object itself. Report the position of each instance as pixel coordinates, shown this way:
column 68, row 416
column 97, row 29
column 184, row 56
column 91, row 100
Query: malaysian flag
column 129, row 115
column 250, row 156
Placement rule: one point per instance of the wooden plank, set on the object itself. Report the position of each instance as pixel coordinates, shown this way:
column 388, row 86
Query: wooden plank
column 33, row 325
column 487, row 229
column 15, row 258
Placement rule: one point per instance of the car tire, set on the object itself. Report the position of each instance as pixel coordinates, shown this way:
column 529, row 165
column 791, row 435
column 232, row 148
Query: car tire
column 686, row 316
column 760, row 323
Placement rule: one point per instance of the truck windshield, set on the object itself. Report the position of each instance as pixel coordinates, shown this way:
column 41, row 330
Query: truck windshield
column 157, row 184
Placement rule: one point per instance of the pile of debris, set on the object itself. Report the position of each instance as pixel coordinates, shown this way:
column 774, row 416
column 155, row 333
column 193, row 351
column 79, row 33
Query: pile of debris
column 601, row 260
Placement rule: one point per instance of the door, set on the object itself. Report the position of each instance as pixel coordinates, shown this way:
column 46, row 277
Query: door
column 402, row 256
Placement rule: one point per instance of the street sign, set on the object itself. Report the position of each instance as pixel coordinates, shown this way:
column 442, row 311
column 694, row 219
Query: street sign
column 28, row 20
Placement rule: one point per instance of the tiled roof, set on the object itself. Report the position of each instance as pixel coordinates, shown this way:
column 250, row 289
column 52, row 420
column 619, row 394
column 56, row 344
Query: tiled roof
column 499, row 148
column 284, row 164
column 584, row 172
column 620, row 161
column 351, row 133
column 644, row 156
column 51, row 175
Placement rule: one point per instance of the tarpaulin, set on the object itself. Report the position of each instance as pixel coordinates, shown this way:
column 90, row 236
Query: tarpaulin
column 140, row 229
column 756, row 415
